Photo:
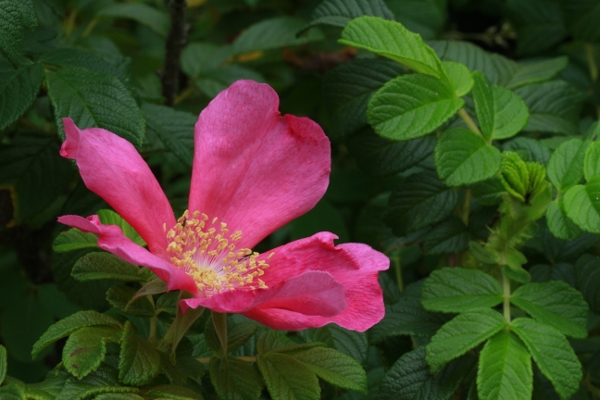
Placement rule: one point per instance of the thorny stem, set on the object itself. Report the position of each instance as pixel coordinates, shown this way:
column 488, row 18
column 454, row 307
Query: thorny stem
column 506, row 295
column 469, row 121
column 175, row 41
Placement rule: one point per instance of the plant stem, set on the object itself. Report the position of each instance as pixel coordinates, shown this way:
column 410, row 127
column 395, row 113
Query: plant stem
column 89, row 27
column 466, row 208
column 175, row 41
column 589, row 53
column 398, row 269
column 469, row 121
column 506, row 295
column 153, row 324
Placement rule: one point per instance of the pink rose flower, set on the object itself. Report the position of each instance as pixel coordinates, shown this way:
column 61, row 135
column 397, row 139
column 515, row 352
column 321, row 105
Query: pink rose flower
column 254, row 171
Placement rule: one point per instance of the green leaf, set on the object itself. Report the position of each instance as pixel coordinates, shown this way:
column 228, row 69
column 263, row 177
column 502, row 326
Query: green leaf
column 32, row 166
column 411, row 379
column 18, row 91
column 392, row 40
column 462, row 158
column 235, row 379
column 11, row 29
column 70, row 324
column 239, row 334
column 335, row 368
column 514, row 175
column 348, row 88
column 555, row 304
column 553, row 107
column 407, row 317
column 461, row 334
column 528, row 149
column 591, row 163
column 74, row 239
column 504, row 369
column 500, row 112
column 587, row 269
column 565, row 168
column 94, row 99
column 460, row 77
column 142, row 13
column 558, row 222
column 199, row 58
column 351, row 343
column 103, row 380
column 456, row 290
column 580, row 17
column 98, row 265
column 109, row 217
column 288, row 378
column 323, row 217
column 340, row 12
column 536, row 72
column 124, row 298
column 451, row 236
column 582, row 204
column 3, row 364
column 418, row 202
column 552, row 354
column 411, row 106
column 381, row 157
column 139, row 360
column 274, row 33
column 489, row 192
column 85, row 349
column 516, row 274
column 211, row 83
column 173, row 392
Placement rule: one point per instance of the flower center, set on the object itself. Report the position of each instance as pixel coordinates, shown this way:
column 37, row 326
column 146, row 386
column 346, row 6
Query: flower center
column 205, row 250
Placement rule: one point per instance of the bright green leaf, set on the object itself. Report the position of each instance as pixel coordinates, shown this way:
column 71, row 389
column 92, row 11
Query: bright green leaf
column 70, row 324
column 514, row 175
column 139, row 360
column 582, row 204
column 558, row 222
column 94, row 99
column 85, row 349
column 462, row 158
column 456, row 290
column 460, row 77
column 411, row 379
column 335, row 368
column 235, row 379
column 287, row 378
column 109, row 217
column 418, row 202
column 411, row 106
column 461, row 334
column 591, row 163
column 504, row 369
column 552, row 353
column 565, row 168
column 556, row 304
column 99, row 265
column 74, row 239
column 500, row 112
column 392, row 40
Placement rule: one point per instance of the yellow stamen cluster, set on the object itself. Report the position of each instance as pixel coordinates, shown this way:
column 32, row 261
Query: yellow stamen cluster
column 205, row 250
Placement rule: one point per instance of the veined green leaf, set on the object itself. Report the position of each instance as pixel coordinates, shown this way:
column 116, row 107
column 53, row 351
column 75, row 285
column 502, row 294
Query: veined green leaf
column 18, row 91
column 99, row 265
column 451, row 236
column 352, row 343
column 142, row 13
column 580, row 17
column 411, row 106
column 528, row 149
column 70, row 324
column 85, row 349
column 463, row 157
column 500, row 112
column 587, row 271
column 392, row 40
column 558, row 222
column 552, row 353
column 537, row 72
column 556, row 304
column 582, row 204
column 456, row 290
column 288, row 378
column 12, row 26
column 411, row 379
column 460, row 77
column 565, row 168
column 591, row 163
column 74, row 239
column 173, row 392
column 139, row 360
column 461, row 334
column 335, row 368
column 504, row 369
column 94, row 99
column 420, row 201
column 235, row 379
column 109, row 217
column 340, row 12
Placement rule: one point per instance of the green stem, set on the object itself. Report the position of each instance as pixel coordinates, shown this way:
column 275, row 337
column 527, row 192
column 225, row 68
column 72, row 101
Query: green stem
column 89, row 27
column 589, row 53
column 398, row 270
column 506, row 295
column 153, row 324
column 466, row 208
column 469, row 121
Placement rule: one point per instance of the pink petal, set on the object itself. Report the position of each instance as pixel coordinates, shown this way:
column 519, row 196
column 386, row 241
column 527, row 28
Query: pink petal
column 112, row 239
column 112, row 168
column 310, row 293
column 353, row 265
column 254, row 169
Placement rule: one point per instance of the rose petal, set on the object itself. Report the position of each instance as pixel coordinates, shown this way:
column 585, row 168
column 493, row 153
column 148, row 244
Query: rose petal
column 112, row 239
column 254, row 169
column 353, row 265
column 112, row 168
column 310, row 293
